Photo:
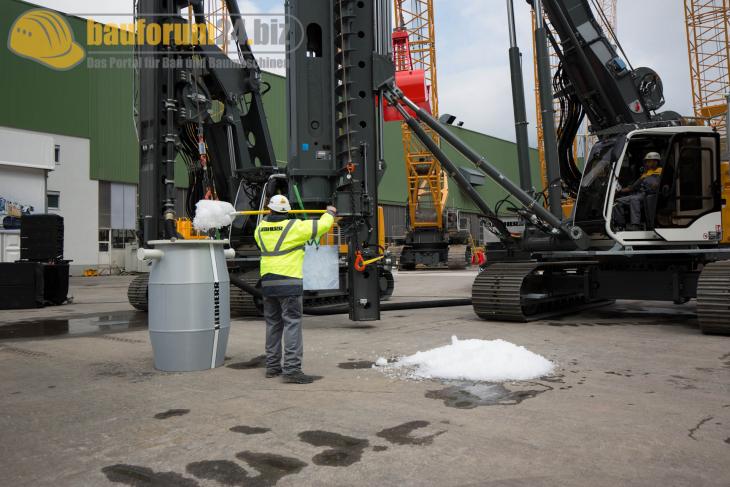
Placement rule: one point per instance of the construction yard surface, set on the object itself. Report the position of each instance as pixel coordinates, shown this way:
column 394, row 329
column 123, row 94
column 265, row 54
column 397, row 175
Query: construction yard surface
column 639, row 397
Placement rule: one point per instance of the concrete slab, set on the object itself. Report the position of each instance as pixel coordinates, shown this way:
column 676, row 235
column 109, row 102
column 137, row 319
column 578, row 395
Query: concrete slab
column 640, row 397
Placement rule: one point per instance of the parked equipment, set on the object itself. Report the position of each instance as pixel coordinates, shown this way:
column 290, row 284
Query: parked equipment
column 197, row 105
column 41, row 276
column 41, row 238
column 435, row 237
column 559, row 265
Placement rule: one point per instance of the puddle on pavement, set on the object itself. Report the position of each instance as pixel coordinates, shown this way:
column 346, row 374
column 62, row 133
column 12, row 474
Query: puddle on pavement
column 249, row 430
column 271, row 467
column 356, row 365
column 84, row 325
column 343, row 450
column 171, row 413
column 402, row 434
column 135, row 475
column 469, row 395
column 255, row 363
column 224, row 472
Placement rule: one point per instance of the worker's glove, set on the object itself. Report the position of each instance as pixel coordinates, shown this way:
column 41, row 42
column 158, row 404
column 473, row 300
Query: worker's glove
column 332, row 210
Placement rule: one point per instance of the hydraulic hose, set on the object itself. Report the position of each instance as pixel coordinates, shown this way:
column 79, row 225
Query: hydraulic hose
column 441, row 303
column 244, row 286
column 340, row 310
column 453, row 171
column 531, row 205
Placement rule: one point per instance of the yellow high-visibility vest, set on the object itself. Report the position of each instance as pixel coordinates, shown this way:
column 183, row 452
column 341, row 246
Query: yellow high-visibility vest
column 282, row 243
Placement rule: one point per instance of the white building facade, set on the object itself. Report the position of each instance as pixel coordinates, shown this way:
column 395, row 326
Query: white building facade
column 50, row 173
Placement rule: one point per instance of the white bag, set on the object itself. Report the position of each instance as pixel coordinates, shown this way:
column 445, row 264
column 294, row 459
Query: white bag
column 321, row 267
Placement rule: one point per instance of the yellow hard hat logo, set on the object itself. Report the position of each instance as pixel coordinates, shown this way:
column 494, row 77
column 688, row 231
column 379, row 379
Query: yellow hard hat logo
column 45, row 36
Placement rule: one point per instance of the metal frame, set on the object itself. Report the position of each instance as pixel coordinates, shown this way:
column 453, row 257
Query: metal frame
column 427, row 182
column 338, row 63
column 708, row 41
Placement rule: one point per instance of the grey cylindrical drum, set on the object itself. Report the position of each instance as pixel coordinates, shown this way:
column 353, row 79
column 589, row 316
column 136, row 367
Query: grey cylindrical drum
column 189, row 304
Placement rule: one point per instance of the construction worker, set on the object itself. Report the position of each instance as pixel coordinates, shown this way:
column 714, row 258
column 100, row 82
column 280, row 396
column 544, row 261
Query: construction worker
column 647, row 184
column 282, row 242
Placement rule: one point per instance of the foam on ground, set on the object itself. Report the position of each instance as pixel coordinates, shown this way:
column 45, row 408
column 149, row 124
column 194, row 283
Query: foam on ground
column 472, row 360
column 212, row 215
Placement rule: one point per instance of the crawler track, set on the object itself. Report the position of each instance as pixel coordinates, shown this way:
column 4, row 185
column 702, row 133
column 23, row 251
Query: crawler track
column 137, row 292
column 242, row 303
column 459, row 257
column 530, row 291
column 713, row 298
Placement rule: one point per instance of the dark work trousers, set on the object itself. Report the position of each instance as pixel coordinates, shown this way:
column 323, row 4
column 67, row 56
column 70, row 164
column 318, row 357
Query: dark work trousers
column 634, row 202
column 283, row 317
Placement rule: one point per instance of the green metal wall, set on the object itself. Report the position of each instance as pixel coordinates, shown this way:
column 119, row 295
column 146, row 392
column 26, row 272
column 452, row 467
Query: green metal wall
column 96, row 103
column 82, row 102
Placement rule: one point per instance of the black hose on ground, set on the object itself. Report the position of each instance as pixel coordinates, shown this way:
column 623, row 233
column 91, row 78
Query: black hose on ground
column 441, row 303
column 241, row 284
column 338, row 310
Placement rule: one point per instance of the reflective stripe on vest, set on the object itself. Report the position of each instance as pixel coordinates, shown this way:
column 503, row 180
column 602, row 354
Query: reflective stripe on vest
column 281, row 282
column 277, row 252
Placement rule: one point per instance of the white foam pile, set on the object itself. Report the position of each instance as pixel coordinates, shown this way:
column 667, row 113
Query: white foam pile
column 210, row 215
column 473, row 360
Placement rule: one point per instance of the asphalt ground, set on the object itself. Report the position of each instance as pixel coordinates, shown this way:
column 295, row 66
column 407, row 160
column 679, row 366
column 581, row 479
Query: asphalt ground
column 639, row 397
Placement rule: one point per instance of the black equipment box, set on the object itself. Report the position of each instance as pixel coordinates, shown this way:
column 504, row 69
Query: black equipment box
column 26, row 285
column 55, row 283
column 21, row 285
column 41, row 238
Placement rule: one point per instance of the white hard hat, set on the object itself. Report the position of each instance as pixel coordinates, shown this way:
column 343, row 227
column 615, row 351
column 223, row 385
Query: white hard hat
column 653, row 156
column 279, row 204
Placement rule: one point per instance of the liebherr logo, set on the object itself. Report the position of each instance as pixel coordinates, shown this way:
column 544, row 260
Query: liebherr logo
column 217, row 304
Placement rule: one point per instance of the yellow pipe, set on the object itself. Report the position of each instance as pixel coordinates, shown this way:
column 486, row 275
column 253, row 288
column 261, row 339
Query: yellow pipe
column 381, row 228
column 372, row 261
column 268, row 212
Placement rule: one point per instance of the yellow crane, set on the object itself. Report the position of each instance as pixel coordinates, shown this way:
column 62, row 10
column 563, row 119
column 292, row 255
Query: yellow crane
column 427, row 190
column 414, row 49
column 708, row 42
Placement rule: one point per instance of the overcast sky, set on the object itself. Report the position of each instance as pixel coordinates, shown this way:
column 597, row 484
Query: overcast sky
column 472, row 44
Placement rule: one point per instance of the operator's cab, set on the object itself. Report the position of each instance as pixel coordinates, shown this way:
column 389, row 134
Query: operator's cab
column 686, row 206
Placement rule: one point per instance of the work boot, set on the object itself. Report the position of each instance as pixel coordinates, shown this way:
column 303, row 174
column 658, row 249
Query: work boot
column 271, row 373
column 298, row 377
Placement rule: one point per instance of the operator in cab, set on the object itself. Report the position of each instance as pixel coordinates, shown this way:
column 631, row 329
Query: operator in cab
column 282, row 242
column 647, row 184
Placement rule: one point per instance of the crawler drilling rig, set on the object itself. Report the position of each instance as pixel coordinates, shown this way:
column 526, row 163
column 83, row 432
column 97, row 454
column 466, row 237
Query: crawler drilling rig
column 559, row 264
column 197, row 105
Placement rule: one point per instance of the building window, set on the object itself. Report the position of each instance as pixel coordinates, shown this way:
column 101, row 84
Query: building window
column 57, row 154
column 53, row 200
column 104, row 236
column 121, row 238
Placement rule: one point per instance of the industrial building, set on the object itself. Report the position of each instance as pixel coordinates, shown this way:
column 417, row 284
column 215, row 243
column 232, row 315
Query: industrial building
column 74, row 151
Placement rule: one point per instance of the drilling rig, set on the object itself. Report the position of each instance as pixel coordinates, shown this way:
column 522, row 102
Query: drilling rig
column 435, row 236
column 562, row 264
column 198, row 105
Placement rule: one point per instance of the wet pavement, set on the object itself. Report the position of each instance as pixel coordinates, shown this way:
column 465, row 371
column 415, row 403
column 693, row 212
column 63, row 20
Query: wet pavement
column 94, row 324
column 639, row 397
